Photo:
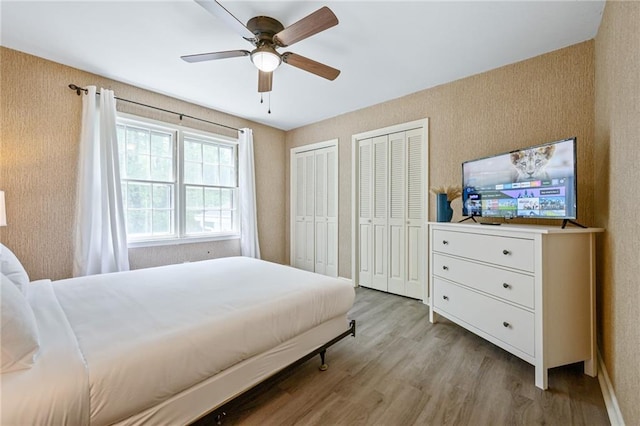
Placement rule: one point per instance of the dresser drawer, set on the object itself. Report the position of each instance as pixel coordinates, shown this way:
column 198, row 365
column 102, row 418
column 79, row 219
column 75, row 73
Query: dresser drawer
column 515, row 253
column 512, row 286
column 505, row 322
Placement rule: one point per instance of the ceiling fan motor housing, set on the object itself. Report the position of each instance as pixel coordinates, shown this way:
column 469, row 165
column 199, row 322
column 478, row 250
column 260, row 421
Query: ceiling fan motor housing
column 264, row 29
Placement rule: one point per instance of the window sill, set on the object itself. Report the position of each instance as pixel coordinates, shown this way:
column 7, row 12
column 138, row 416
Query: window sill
column 180, row 241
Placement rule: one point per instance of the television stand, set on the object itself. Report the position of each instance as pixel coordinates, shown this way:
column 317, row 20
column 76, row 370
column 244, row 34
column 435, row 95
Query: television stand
column 473, row 218
column 565, row 221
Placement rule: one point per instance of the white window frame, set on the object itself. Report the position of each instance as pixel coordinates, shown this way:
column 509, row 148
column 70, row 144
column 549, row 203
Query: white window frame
column 180, row 133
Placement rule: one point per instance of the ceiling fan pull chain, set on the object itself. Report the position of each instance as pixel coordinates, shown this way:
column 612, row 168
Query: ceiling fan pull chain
column 269, row 112
column 261, row 100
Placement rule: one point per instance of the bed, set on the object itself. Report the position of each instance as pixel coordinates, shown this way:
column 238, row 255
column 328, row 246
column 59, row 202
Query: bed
column 166, row 345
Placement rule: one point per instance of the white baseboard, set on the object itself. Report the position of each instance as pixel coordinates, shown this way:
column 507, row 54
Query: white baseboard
column 346, row 279
column 610, row 400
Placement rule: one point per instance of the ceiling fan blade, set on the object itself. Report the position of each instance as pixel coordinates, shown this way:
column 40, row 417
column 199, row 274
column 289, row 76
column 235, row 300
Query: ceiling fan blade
column 319, row 20
column 310, row 65
column 265, row 81
column 219, row 11
column 201, row 57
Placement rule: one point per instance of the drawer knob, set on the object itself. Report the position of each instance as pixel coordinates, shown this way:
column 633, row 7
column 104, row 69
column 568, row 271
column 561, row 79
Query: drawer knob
column 506, row 252
column 445, row 297
column 445, row 242
column 445, row 267
column 506, row 324
column 505, row 285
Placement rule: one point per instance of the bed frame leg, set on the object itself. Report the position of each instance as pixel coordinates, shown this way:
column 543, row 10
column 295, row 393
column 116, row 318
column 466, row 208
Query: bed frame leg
column 323, row 365
column 220, row 417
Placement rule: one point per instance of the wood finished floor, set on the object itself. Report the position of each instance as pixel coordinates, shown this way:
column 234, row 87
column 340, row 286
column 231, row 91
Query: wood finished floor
column 402, row 370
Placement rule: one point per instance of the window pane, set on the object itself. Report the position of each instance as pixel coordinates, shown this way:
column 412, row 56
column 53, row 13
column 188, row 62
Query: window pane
column 194, row 198
column 161, row 168
column 212, row 221
column 192, row 172
column 211, row 175
column 138, row 166
column 138, row 222
column 225, row 198
column 194, row 221
column 192, row 151
column 210, row 154
column 162, row 196
column 161, row 145
column 226, row 155
column 162, row 222
column 138, row 140
column 139, row 196
column 227, row 176
column 212, row 198
column 226, row 221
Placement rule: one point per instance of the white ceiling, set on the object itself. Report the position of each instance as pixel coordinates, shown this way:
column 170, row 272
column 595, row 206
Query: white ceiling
column 385, row 49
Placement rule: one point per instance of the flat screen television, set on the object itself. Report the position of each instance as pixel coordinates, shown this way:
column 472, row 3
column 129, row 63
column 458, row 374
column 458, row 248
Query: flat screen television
column 536, row 182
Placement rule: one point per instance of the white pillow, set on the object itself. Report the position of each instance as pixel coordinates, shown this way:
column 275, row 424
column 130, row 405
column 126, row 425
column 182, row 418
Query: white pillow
column 19, row 332
column 11, row 268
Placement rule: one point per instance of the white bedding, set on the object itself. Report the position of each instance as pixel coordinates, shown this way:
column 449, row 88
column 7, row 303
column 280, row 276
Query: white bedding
column 147, row 335
column 55, row 390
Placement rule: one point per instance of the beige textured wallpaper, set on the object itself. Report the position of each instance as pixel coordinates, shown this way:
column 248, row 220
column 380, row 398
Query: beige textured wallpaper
column 40, row 125
column 617, row 171
column 539, row 100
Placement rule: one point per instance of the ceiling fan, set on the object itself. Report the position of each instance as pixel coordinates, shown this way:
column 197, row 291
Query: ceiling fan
column 267, row 34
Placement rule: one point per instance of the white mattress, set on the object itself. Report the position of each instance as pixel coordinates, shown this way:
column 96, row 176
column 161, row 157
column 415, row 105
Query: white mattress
column 147, row 335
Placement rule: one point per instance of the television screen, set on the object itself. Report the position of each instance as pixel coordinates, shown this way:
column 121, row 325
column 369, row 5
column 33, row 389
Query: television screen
column 539, row 182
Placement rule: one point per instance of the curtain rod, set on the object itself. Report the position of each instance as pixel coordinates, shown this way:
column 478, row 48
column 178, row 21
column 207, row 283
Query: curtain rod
column 79, row 91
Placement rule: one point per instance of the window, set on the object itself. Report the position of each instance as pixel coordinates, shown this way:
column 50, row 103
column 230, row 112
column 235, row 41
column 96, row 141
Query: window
column 177, row 183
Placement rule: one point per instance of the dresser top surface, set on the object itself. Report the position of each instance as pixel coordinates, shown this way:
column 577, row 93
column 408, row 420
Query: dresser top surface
column 506, row 227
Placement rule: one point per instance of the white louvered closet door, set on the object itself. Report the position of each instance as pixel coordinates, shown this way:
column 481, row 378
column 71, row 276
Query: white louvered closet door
column 379, row 279
column 314, row 185
column 326, row 215
column 365, row 216
column 397, row 213
column 391, row 176
column 320, row 214
column 331, row 211
column 297, row 177
column 309, row 218
column 305, row 232
column 415, row 233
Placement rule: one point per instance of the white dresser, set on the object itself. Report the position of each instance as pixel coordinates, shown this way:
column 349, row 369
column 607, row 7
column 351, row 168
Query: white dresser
column 528, row 289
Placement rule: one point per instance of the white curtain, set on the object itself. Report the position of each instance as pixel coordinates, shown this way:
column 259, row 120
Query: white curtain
column 249, row 245
column 100, row 234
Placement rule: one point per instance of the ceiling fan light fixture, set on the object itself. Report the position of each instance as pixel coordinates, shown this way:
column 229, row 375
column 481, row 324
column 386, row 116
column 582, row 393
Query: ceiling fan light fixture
column 265, row 58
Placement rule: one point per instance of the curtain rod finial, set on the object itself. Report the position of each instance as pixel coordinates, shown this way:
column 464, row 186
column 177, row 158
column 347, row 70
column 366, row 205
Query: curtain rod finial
column 78, row 89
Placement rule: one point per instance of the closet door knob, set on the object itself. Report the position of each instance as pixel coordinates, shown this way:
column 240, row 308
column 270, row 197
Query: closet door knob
column 445, row 297
column 505, row 324
column 505, row 285
column 506, row 252
column 445, row 242
column 446, row 268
